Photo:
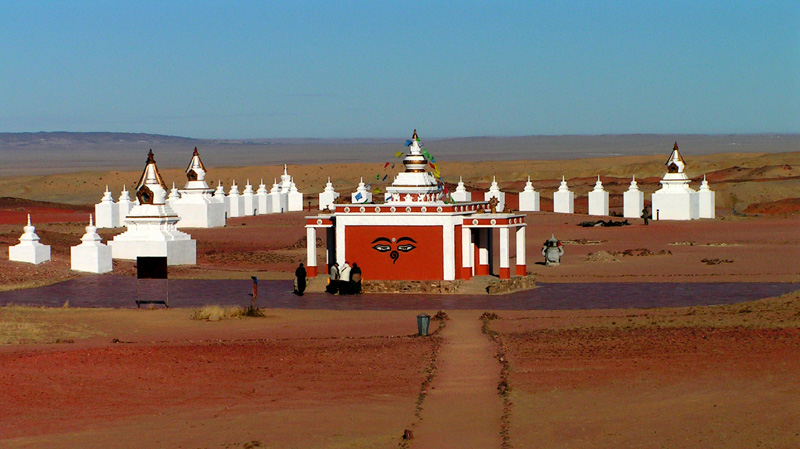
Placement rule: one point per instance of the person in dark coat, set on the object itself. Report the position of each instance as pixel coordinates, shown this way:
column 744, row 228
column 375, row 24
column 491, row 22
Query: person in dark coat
column 333, row 280
column 300, row 283
column 355, row 280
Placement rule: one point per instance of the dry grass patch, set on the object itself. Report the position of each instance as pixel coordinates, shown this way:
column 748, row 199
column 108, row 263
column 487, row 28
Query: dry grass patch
column 21, row 324
column 217, row 313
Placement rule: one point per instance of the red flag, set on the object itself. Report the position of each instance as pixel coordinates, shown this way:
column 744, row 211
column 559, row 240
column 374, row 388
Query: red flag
column 386, row 165
column 432, row 165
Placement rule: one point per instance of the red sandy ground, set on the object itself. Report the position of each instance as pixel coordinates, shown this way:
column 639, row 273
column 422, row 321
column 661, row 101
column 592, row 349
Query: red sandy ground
column 317, row 379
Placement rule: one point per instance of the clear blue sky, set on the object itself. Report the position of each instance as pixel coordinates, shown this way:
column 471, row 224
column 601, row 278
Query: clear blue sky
column 249, row 69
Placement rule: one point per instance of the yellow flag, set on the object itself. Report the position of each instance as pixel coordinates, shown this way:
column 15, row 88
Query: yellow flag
column 398, row 154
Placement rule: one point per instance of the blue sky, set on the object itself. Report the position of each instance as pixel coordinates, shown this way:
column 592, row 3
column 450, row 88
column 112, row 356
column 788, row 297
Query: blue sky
column 378, row 69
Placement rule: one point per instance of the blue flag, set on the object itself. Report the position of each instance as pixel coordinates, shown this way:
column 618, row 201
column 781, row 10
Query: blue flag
column 358, row 196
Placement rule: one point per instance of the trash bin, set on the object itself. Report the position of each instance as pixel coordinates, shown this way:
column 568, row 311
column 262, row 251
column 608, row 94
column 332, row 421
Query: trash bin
column 423, row 320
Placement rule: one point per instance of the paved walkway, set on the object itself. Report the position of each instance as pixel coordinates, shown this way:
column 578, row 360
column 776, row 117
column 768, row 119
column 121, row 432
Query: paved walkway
column 462, row 409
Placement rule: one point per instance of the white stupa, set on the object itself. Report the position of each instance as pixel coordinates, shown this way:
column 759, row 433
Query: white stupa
column 29, row 250
column 598, row 199
column 529, row 198
column 197, row 206
column 220, row 197
column 91, row 256
column 415, row 182
column 106, row 211
column 633, row 201
column 152, row 229
column 362, row 194
column 563, row 199
column 124, row 205
column 294, row 199
column 279, row 200
column 494, row 192
column 263, row 203
column 173, row 195
column 707, row 201
column 675, row 200
column 328, row 196
column 249, row 206
column 461, row 194
column 235, row 202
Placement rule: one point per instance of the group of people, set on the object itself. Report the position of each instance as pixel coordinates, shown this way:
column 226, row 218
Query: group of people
column 345, row 280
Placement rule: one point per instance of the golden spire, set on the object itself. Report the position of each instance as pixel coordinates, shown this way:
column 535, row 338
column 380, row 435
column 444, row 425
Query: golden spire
column 414, row 137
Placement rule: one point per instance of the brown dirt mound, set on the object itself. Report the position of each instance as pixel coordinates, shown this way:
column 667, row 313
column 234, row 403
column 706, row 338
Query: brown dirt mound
column 787, row 206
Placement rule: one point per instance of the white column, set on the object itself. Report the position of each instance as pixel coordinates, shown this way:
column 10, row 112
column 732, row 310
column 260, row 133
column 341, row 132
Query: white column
column 521, row 263
column 466, row 252
column 505, row 271
column 311, row 245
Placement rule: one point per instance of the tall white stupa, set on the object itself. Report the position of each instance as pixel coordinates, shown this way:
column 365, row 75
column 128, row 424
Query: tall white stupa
column 707, row 208
column 294, row 199
column 461, row 195
column 598, row 199
column 495, row 192
column 197, row 206
column 91, row 256
column 675, row 200
column 279, row 201
column 263, row 203
column 633, row 201
column 152, row 224
column 328, row 196
column 563, row 199
column 235, row 202
column 529, row 198
column 415, row 182
column 29, row 250
column 106, row 211
column 249, row 206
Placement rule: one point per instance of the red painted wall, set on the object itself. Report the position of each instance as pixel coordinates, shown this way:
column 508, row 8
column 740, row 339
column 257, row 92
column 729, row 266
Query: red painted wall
column 416, row 253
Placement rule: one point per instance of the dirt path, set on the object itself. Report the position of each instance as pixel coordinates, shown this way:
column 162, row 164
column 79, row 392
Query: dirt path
column 462, row 409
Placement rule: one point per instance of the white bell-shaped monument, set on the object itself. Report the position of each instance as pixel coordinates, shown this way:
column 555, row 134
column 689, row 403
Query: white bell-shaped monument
column 197, row 206
column 461, row 194
column 263, row 203
column 106, row 211
column 173, row 195
column 675, row 200
column 91, row 256
column 29, row 250
column 633, row 201
column 249, row 206
column 707, row 200
column 415, row 180
column 124, row 205
column 328, row 196
column 294, row 198
column 279, row 201
column 563, row 199
column 152, row 224
column 529, row 198
column 494, row 192
column 362, row 194
column 235, row 202
column 220, row 197
column 598, row 199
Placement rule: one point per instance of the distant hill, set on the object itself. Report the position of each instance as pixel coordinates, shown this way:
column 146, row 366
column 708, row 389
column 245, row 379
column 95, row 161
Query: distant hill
column 63, row 152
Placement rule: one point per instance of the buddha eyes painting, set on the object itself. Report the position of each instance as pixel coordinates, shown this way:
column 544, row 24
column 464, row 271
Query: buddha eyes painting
column 403, row 244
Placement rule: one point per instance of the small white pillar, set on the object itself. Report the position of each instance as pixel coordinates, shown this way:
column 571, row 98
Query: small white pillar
column 124, row 206
column 633, row 201
column 466, row 253
column 522, row 268
column 294, row 198
column 249, row 206
column 29, row 250
column 598, row 199
column 361, row 195
column 311, row 250
column 505, row 265
column 173, row 195
column 529, row 198
column 328, row 196
column 494, row 192
column 707, row 201
column 263, row 203
column 563, row 199
column 235, row 202
column 91, row 255
column 461, row 194
column 106, row 211
column 278, row 205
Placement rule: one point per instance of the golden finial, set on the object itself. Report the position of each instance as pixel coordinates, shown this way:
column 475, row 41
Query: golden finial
column 414, row 137
column 151, row 157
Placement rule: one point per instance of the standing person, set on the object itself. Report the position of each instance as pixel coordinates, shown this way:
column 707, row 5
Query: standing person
column 333, row 280
column 355, row 280
column 300, row 282
column 344, row 279
column 645, row 215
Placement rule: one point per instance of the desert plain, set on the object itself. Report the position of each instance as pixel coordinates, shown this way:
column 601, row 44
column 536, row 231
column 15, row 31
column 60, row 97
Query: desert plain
column 679, row 377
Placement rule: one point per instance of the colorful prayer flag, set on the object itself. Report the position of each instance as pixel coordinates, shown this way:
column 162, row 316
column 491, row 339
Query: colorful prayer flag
column 392, row 165
column 386, row 164
column 358, row 196
column 377, row 177
column 384, row 177
column 398, row 154
column 408, row 142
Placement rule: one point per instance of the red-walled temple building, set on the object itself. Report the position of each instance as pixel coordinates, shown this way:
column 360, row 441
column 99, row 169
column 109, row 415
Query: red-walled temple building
column 415, row 235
